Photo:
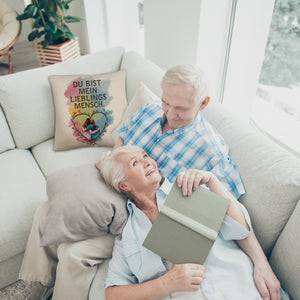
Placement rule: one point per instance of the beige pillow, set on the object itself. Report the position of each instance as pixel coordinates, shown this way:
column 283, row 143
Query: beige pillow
column 142, row 96
column 82, row 206
column 88, row 108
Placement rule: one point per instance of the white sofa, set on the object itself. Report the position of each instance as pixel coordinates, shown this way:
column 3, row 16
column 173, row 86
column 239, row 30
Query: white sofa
column 270, row 174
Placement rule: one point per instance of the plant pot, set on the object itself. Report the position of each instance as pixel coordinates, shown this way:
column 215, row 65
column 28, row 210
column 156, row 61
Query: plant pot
column 57, row 53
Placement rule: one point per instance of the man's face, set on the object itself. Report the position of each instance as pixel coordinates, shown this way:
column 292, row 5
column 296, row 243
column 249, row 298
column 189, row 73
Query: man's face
column 179, row 105
column 140, row 170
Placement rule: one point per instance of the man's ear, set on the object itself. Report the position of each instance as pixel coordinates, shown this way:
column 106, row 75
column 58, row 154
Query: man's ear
column 124, row 187
column 204, row 103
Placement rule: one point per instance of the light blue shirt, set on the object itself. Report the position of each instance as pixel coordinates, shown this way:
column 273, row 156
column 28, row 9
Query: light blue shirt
column 195, row 146
column 229, row 271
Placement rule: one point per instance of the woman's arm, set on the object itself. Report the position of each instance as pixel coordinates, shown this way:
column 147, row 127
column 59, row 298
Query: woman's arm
column 184, row 277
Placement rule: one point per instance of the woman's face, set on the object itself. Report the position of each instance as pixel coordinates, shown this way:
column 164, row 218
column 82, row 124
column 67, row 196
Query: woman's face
column 140, row 170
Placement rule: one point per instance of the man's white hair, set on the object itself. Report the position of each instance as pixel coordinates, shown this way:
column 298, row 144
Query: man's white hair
column 111, row 170
column 188, row 74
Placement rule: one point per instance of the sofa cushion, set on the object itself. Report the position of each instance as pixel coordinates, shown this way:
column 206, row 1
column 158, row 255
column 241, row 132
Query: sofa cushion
column 140, row 69
column 23, row 187
column 97, row 291
column 285, row 255
column 82, row 206
column 270, row 174
column 81, row 99
column 51, row 161
column 142, row 96
column 6, row 141
column 33, row 120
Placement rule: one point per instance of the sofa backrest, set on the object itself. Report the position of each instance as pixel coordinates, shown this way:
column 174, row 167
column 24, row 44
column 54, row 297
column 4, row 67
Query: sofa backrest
column 6, row 140
column 270, row 174
column 140, row 69
column 26, row 97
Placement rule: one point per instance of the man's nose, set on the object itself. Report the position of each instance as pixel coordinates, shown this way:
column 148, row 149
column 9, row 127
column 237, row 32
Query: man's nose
column 170, row 112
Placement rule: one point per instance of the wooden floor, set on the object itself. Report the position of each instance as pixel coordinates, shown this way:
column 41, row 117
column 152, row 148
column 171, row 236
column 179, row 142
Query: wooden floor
column 23, row 58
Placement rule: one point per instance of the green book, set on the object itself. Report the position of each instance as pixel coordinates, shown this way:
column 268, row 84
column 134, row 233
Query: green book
column 187, row 226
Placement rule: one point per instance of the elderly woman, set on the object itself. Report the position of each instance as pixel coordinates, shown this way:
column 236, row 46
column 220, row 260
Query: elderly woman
column 137, row 273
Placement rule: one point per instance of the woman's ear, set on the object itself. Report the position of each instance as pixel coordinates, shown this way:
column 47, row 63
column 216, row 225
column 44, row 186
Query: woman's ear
column 124, row 187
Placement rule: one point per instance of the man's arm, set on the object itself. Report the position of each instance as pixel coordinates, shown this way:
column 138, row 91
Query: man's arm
column 264, row 277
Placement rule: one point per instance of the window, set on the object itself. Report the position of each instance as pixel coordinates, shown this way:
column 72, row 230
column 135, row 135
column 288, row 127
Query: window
column 276, row 108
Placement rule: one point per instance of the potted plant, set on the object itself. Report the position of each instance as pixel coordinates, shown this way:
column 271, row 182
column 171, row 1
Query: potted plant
column 49, row 25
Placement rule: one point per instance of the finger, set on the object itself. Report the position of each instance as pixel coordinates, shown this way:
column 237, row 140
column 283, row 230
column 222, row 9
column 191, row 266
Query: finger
column 184, row 183
column 179, row 179
column 196, row 267
column 263, row 290
column 192, row 182
column 274, row 292
column 197, row 181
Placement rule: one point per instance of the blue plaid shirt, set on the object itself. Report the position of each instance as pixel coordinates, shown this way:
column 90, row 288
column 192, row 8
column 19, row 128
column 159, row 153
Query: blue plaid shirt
column 195, row 146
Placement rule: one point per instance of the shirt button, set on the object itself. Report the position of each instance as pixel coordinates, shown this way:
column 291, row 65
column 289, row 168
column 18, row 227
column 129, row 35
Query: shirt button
column 157, row 140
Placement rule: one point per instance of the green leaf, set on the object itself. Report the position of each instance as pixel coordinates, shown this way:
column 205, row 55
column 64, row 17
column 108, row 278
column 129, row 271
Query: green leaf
column 32, row 11
column 45, row 44
column 41, row 33
column 56, row 17
column 67, row 1
column 48, row 37
column 27, row 8
column 60, row 5
column 23, row 16
column 64, row 28
column 71, row 19
column 38, row 23
column 33, row 35
column 50, row 6
column 42, row 4
column 51, row 27
column 70, row 35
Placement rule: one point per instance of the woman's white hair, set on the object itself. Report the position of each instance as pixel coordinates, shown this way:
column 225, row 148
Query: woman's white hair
column 111, row 170
column 188, row 74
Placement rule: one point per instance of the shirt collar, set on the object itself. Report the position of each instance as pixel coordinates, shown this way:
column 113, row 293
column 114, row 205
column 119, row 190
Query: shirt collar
column 161, row 195
column 186, row 128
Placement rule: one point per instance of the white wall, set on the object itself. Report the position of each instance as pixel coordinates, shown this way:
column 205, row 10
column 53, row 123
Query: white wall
column 95, row 31
column 123, row 23
column 191, row 31
column 171, row 31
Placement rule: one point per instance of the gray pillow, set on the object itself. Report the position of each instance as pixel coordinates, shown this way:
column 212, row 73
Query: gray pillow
column 81, row 206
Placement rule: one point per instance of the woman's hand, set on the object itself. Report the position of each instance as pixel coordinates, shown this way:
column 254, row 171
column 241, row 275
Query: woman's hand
column 266, row 282
column 183, row 277
column 189, row 180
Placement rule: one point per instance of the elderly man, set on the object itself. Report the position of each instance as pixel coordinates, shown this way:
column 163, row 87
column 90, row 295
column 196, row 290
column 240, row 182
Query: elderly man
column 176, row 135
column 141, row 274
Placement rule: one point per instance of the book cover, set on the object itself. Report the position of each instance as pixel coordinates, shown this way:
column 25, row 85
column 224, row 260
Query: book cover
column 187, row 226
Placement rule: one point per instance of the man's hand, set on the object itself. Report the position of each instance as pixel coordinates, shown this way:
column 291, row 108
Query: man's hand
column 189, row 180
column 183, row 277
column 266, row 282
column 101, row 159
